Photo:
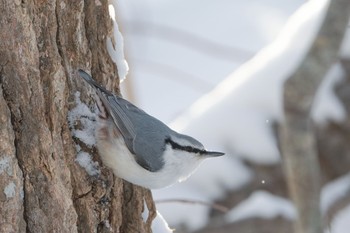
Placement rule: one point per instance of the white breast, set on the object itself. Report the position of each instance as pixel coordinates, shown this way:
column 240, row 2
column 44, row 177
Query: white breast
column 178, row 165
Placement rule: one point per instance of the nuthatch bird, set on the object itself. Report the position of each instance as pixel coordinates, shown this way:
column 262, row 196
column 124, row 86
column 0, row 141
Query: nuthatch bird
column 138, row 147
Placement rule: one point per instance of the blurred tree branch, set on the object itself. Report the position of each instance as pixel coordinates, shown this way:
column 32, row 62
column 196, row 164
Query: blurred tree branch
column 297, row 137
column 188, row 39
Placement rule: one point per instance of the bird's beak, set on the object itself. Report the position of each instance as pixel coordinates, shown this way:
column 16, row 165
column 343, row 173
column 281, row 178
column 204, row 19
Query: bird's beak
column 214, row 153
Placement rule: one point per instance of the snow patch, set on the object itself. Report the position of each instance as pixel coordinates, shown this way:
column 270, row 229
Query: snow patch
column 327, row 106
column 5, row 166
column 21, row 193
column 108, row 225
column 82, row 116
column 10, row 190
column 334, row 191
column 159, row 225
column 341, row 223
column 85, row 161
column 115, row 45
column 262, row 204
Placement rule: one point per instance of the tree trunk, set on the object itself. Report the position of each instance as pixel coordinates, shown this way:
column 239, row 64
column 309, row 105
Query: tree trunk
column 42, row 188
column 298, row 143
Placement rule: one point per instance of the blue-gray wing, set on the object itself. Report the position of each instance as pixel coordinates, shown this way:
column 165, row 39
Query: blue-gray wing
column 120, row 118
column 142, row 133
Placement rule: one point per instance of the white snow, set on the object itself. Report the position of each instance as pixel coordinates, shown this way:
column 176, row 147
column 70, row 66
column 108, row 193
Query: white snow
column 10, row 190
column 85, row 161
column 21, row 193
column 5, row 166
column 334, row 191
column 81, row 113
column 341, row 223
column 327, row 106
column 115, row 45
column 262, row 204
column 159, row 225
column 108, row 225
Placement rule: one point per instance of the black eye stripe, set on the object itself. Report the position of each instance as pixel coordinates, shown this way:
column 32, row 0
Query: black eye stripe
column 189, row 149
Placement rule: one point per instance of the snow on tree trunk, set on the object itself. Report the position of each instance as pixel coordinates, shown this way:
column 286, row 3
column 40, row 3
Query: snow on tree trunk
column 42, row 188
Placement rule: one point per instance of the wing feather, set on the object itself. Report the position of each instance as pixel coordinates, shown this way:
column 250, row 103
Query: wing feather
column 122, row 121
column 142, row 133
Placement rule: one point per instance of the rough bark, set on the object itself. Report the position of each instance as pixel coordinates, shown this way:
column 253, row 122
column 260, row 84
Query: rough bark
column 42, row 188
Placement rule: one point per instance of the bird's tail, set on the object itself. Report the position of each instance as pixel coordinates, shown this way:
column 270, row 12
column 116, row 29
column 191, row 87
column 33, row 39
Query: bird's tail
column 101, row 97
column 92, row 82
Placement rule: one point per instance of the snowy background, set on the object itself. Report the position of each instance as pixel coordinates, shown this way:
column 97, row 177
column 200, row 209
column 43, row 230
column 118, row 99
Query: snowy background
column 214, row 70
